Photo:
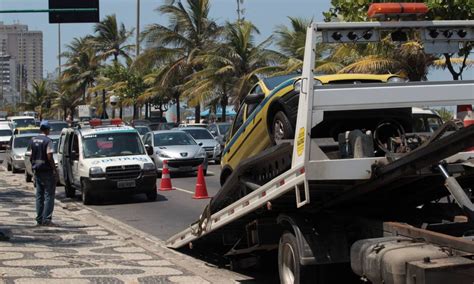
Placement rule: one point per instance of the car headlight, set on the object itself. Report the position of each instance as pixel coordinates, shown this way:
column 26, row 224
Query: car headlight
column 217, row 148
column 201, row 153
column 148, row 167
column 163, row 155
column 96, row 172
column 396, row 79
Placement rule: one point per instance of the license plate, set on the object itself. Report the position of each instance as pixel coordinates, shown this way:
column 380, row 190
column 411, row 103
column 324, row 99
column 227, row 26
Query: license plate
column 186, row 168
column 126, row 184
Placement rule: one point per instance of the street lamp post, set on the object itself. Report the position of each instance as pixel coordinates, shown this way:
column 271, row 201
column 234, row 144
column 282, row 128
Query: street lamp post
column 113, row 101
column 104, row 107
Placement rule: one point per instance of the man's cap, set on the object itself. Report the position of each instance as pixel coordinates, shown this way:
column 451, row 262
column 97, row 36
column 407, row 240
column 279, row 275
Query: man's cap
column 44, row 125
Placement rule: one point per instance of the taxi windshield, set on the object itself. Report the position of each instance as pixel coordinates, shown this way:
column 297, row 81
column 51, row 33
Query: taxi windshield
column 199, row 133
column 112, row 144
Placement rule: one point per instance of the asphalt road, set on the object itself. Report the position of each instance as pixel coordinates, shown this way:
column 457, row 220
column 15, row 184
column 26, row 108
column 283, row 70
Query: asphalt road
column 172, row 212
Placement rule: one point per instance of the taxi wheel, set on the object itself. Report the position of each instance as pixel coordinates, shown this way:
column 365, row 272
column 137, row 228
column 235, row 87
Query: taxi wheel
column 14, row 170
column 281, row 127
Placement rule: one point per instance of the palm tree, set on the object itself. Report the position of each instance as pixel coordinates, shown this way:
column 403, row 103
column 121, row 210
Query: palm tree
column 111, row 39
column 232, row 67
column 38, row 98
column 189, row 34
column 67, row 100
column 82, row 65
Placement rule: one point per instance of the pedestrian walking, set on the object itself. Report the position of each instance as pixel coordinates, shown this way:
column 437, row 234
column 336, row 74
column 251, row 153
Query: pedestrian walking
column 44, row 169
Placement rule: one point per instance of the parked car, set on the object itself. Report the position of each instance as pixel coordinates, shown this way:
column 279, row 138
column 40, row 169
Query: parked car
column 219, row 130
column 178, row 148
column 57, row 126
column 15, row 153
column 207, row 141
column 183, row 125
column 269, row 110
column 142, row 129
column 162, row 126
column 5, row 136
column 28, row 167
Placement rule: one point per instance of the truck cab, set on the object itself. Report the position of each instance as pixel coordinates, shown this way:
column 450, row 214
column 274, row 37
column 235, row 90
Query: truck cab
column 105, row 160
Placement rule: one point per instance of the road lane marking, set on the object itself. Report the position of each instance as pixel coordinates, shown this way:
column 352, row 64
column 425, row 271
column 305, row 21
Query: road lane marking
column 184, row 190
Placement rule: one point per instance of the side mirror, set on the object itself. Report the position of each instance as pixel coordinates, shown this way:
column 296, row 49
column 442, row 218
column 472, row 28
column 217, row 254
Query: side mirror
column 254, row 98
column 149, row 149
column 200, row 143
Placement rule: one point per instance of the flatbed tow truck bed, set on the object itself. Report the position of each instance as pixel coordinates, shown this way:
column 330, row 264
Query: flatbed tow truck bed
column 395, row 219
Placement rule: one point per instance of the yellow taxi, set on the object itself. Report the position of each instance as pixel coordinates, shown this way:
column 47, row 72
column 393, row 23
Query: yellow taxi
column 268, row 113
column 27, row 130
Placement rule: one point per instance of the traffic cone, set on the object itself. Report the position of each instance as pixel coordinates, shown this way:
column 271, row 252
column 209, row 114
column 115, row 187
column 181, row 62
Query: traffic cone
column 201, row 190
column 165, row 178
column 468, row 121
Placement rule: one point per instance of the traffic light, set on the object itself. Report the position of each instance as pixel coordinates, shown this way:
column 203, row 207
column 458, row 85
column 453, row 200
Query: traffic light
column 74, row 16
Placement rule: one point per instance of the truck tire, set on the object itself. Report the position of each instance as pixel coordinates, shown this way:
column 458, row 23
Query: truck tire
column 289, row 266
column 69, row 190
column 86, row 195
column 281, row 127
column 152, row 195
column 28, row 177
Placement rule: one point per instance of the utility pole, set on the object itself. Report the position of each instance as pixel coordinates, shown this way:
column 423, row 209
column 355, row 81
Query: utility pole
column 239, row 10
column 138, row 29
column 59, row 50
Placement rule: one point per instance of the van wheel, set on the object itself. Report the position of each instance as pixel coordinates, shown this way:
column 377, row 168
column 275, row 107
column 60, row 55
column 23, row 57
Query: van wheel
column 225, row 174
column 289, row 266
column 27, row 176
column 281, row 127
column 14, row 170
column 9, row 167
column 152, row 195
column 69, row 190
column 86, row 196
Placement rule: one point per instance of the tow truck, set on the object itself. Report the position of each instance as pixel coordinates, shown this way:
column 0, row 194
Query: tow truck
column 333, row 212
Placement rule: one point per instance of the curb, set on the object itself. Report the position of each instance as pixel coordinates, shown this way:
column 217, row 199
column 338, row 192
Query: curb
column 151, row 243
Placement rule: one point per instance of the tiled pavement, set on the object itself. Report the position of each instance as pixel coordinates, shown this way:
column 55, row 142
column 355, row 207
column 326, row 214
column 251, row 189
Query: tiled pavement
column 84, row 250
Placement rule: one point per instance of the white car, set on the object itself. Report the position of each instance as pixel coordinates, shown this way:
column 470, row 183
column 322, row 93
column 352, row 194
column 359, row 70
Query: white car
column 21, row 121
column 179, row 149
column 15, row 153
column 105, row 161
column 207, row 141
column 5, row 136
column 28, row 166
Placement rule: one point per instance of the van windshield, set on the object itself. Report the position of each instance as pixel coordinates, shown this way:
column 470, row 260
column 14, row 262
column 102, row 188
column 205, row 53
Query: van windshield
column 112, row 145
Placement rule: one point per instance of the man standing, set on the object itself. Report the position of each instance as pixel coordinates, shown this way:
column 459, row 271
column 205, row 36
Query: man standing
column 43, row 166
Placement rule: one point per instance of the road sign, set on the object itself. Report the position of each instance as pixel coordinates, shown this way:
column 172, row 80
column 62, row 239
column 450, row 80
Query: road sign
column 72, row 16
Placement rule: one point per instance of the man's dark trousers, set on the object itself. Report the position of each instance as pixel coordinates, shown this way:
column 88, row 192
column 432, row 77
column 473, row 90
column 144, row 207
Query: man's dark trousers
column 45, row 192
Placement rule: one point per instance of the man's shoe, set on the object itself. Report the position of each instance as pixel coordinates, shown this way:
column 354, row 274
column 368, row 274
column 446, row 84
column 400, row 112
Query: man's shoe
column 39, row 224
column 50, row 224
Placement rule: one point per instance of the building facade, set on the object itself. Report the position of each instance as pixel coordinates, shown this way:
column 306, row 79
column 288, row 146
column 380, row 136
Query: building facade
column 26, row 49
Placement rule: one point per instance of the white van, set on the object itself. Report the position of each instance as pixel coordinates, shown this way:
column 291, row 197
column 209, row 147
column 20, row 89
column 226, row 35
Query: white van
column 105, row 161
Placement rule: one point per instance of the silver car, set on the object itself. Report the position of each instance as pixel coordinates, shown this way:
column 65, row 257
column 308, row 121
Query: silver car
column 209, row 143
column 28, row 167
column 15, row 153
column 178, row 148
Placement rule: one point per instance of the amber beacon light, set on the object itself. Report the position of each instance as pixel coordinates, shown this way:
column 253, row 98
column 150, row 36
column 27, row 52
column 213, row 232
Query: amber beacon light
column 382, row 10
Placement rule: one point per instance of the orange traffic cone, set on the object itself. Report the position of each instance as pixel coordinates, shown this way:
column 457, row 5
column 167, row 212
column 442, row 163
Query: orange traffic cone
column 165, row 178
column 201, row 190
